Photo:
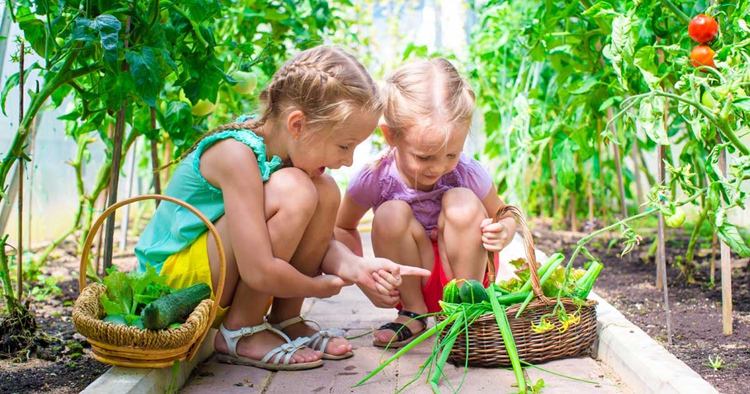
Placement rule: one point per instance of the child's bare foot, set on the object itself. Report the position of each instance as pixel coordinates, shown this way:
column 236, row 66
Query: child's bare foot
column 337, row 346
column 258, row 345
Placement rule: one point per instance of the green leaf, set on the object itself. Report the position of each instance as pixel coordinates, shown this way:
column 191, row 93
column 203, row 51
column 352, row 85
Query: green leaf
column 583, row 87
column 179, row 122
column 650, row 120
column 145, row 70
column 728, row 233
column 600, row 9
column 108, row 28
column 742, row 104
column 644, row 60
column 10, row 83
column 119, row 296
column 563, row 152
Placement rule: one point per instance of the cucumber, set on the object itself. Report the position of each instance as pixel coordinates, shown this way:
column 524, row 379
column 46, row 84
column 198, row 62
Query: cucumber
column 174, row 307
column 472, row 292
column 450, row 292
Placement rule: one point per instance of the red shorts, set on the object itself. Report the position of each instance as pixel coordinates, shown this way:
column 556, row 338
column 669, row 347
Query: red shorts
column 433, row 290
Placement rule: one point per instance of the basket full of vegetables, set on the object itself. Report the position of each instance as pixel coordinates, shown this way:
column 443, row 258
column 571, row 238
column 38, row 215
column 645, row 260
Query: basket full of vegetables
column 136, row 320
column 542, row 314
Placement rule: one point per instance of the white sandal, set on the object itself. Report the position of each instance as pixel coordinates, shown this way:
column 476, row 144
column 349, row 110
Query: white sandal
column 319, row 340
column 273, row 359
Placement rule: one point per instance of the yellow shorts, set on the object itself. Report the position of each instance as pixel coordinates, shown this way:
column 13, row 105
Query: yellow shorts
column 190, row 266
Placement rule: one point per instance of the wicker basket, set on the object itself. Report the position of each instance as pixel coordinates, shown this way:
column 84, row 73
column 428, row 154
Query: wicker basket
column 127, row 346
column 485, row 344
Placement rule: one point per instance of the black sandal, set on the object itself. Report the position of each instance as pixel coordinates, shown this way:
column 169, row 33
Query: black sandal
column 403, row 333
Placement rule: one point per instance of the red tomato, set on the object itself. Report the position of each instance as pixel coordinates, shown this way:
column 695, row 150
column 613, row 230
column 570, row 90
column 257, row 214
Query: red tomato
column 703, row 28
column 703, row 55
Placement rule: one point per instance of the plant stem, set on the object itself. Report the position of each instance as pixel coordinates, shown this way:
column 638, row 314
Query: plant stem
column 694, row 239
column 5, row 278
column 681, row 15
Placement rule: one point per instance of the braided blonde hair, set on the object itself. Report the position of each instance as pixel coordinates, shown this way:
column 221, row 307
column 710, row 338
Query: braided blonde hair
column 427, row 93
column 326, row 83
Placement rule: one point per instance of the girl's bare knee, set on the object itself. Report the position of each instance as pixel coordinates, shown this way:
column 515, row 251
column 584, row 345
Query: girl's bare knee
column 291, row 189
column 462, row 208
column 328, row 193
column 393, row 218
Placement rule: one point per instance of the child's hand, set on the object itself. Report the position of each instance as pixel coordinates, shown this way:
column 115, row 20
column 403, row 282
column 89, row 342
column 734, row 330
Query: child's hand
column 381, row 300
column 381, row 277
column 329, row 285
column 494, row 235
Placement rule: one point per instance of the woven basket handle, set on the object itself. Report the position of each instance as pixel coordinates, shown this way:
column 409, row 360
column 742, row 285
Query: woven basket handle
column 222, row 258
column 528, row 241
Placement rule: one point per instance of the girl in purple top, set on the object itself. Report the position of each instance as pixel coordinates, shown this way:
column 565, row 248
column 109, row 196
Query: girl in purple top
column 430, row 201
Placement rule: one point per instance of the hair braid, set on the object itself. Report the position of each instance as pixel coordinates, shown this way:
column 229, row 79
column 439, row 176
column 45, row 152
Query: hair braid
column 326, row 83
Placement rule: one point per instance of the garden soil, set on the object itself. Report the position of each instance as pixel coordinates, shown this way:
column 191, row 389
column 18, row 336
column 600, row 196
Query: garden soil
column 628, row 283
column 62, row 362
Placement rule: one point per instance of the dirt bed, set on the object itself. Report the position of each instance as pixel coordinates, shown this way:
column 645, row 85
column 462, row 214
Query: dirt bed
column 629, row 285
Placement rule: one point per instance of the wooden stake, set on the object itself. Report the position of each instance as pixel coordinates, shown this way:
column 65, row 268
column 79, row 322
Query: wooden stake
column 661, row 258
column 600, row 157
column 590, row 196
column 712, row 271
column 618, row 168
column 726, row 268
column 554, row 180
column 20, row 165
column 639, row 189
column 132, row 174
column 155, row 158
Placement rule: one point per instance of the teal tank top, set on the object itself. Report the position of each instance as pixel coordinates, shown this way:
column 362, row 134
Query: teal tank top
column 173, row 227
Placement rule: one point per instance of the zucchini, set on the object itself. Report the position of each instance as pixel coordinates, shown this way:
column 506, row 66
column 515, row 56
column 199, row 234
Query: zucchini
column 174, row 307
column 472, row 292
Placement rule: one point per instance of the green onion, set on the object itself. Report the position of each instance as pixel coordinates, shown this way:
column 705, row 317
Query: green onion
column 510, row 346
column 551, row 269
column 513, row 298
column 445, row 349
column 438, row 327
column 585, row 283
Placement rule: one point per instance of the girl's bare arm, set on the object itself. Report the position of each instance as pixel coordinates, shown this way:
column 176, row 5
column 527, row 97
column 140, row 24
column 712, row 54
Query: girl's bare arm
column 347, row 221
column 492, row 203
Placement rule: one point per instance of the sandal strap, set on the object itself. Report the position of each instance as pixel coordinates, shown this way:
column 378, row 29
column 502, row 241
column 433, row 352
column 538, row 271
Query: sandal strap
column 319, row 340
column 402, row 331
column 232, row 337
column 285, row 351
column 414, row 316
column 294, row 320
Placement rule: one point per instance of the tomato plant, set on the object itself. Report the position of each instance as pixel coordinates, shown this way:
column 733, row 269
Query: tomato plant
column 569, row 90
column 703, row 28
